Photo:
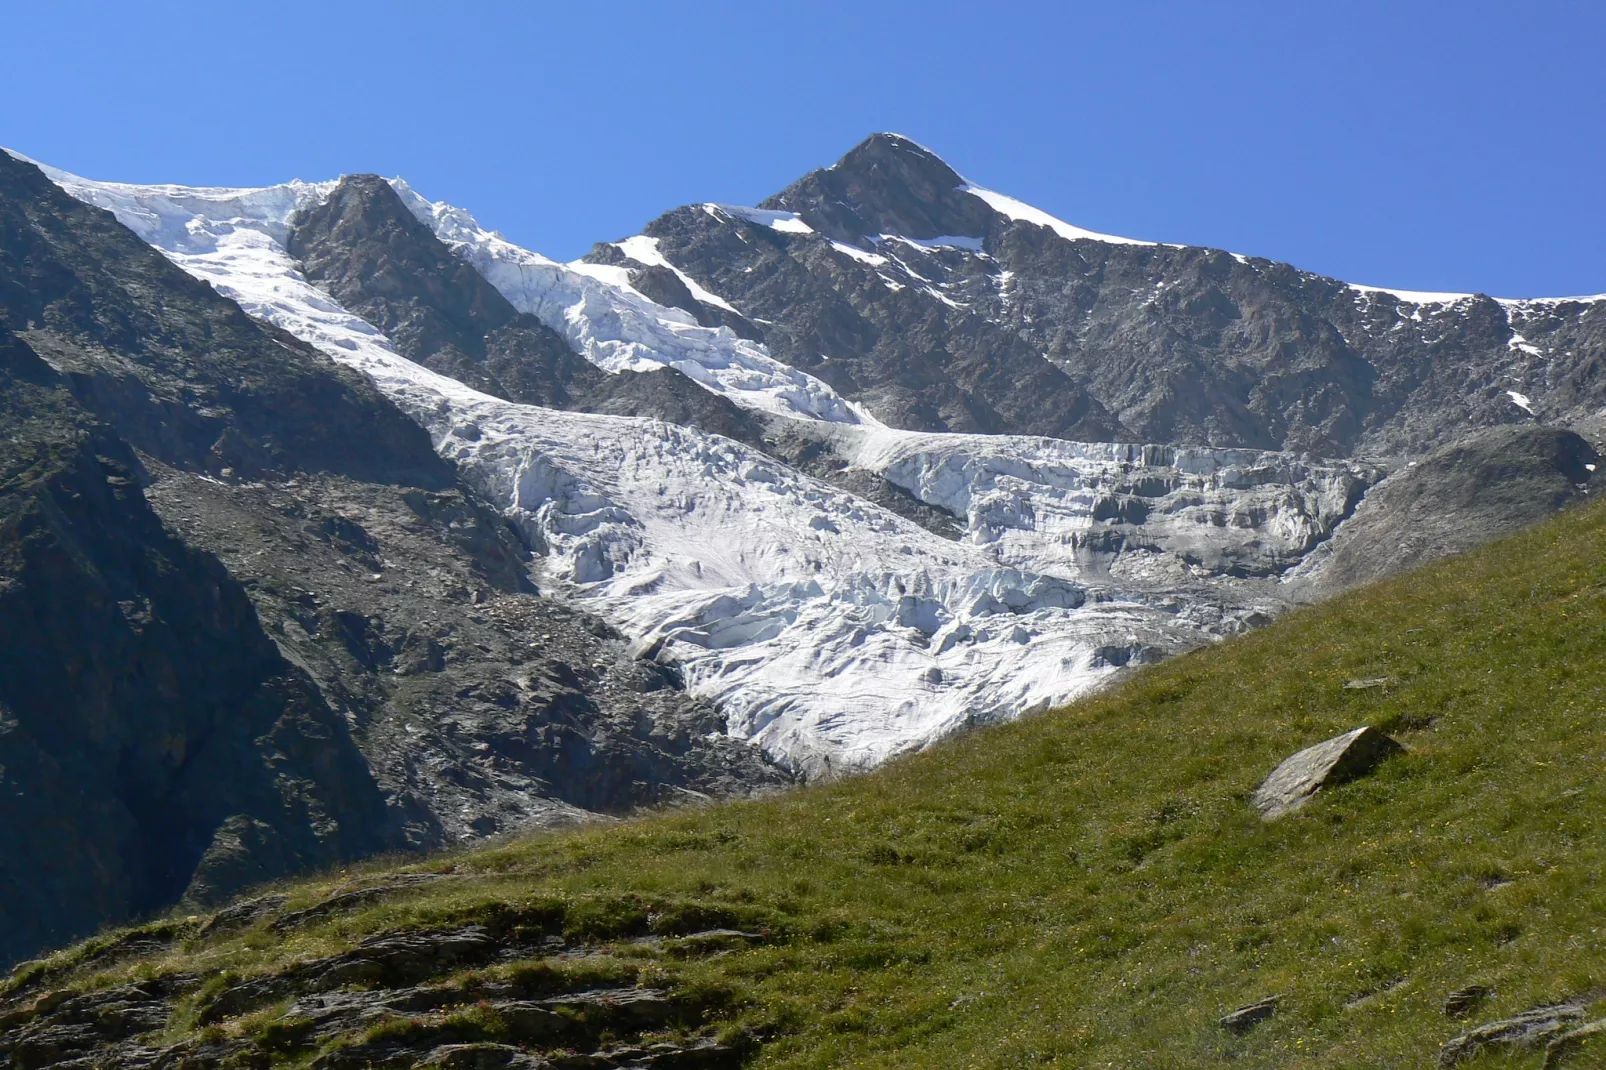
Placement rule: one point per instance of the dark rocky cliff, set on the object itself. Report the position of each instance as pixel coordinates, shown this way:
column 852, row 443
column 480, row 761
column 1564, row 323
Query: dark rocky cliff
column 252, row 623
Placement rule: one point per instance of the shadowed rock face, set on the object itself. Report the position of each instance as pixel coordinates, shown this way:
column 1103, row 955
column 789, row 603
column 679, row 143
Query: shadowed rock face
column 367, row 250
column 1017, row 328
column 253, row 623
column 142, row 707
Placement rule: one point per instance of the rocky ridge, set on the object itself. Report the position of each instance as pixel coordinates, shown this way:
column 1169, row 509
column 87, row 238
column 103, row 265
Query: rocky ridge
column 891, row 277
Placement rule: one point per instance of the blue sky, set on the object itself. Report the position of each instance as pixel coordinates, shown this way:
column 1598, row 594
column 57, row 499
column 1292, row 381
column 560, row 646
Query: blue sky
column 1434, row 146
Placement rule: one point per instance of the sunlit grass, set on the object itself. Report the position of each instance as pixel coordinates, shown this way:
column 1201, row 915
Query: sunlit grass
column 1091, row 888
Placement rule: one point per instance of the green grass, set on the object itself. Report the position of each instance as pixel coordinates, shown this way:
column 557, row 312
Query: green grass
column 1090, row 888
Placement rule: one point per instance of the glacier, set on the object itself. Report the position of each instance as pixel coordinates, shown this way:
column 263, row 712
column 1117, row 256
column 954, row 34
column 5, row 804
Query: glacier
column 831, row 632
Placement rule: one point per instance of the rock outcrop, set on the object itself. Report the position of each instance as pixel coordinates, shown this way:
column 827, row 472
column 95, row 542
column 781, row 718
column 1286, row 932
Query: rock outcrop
column 1538, row 1028
column 536, row 988
column 1247, row 1017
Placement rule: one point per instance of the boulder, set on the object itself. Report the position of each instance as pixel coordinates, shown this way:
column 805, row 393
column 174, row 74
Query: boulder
column 1338, row 759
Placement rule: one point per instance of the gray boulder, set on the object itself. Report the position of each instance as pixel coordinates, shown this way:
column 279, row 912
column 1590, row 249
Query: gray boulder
column 1338, row 759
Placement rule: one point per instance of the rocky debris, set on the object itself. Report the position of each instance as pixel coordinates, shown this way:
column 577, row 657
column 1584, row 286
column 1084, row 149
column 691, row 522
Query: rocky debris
column 1463, row 1001
column 481, row 707
column 507, row 990
column 1246, row 1018
column 1530, row 1029
column 1331, row 762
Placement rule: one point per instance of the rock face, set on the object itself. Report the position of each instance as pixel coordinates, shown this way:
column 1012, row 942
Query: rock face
column 1331, row 762
column 945, row 307
column 254, row 623
column 1459, row 496
column 370, row 254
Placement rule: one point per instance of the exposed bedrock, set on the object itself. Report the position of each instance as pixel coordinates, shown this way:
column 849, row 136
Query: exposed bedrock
column 942, row 312
column 254, row 623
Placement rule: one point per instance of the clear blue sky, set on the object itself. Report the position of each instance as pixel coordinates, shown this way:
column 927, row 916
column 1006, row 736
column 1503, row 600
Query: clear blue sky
column 1434, row 146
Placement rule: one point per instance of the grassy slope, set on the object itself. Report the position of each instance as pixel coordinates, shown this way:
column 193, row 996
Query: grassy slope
column 1090, row 887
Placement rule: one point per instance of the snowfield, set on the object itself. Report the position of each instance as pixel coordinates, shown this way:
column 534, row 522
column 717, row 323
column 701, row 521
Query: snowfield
column 832, row 633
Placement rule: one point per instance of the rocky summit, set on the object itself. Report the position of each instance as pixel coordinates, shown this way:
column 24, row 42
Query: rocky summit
column 335, row 524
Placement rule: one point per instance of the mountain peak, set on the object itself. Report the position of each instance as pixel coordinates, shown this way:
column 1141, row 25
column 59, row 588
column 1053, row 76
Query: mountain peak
column 894, row 154
column 887, row 184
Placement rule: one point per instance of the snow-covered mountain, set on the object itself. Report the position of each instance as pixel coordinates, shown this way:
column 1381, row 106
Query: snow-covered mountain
column 337, row 523
column 830, row 631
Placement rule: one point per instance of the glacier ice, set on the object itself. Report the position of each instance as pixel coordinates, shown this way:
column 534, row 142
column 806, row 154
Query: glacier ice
column 831, row 632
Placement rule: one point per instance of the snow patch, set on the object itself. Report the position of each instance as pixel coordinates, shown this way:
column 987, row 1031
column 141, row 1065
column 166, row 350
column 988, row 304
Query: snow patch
column 946, row 241
column 1522, row 401
column 1518, row 302
column 785, row 222
column 858, row 254
column 644, row 250
column 1025, row 213
column 1517, row 343
column 1413, row 297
